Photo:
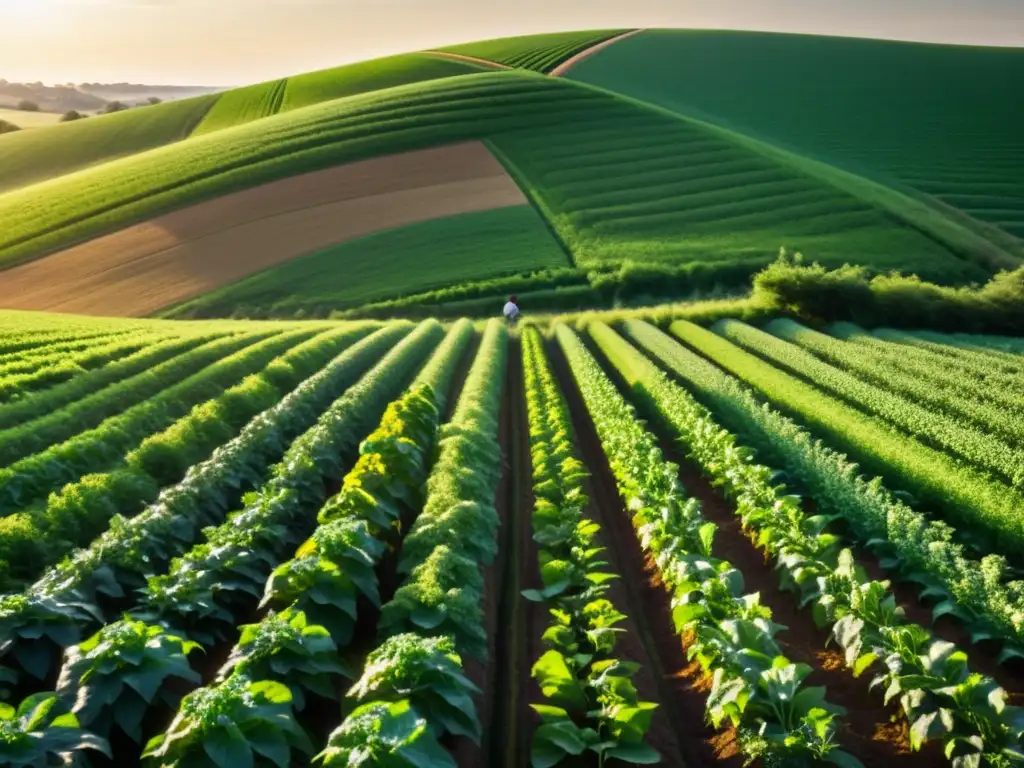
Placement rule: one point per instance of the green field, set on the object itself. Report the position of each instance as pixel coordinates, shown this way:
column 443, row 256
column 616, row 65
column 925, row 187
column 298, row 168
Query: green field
column 657, row 187
column 414, row 258
column 315, row 515
column 243, row 105
column 366, row 76
column 540, row 53
column 941, row 119
column 24, row 119
column 644, row 186
column 27, row 157
column 115, row 194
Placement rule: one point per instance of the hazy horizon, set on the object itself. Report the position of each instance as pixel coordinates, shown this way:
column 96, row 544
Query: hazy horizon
column 159, row 42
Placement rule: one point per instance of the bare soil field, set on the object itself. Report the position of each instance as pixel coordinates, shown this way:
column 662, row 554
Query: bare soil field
column 175, row 257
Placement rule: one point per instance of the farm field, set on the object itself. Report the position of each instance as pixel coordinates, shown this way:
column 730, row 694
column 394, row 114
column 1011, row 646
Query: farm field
column 27, row 157
column 229, row 541
column 647, row 188
column 540, row 53
column 412, row 259
column 243, row 105
column 653, row 188
column 24, row 119
column 950, row 132
column 146, row 268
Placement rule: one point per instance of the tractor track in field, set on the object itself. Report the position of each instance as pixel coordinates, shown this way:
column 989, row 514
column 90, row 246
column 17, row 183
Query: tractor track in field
column 468, row 59
column 678, row 730
column 876, row 734
column 491, row 674
column 586, row 53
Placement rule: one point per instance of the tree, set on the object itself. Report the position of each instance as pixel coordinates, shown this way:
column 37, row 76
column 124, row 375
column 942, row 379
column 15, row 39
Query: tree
column 114, row 106
column 71, row 115
column 28, row 106
column 6, row 127
column 154, row 100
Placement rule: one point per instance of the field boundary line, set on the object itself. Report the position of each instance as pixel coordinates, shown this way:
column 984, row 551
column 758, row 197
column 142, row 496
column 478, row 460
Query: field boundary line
column 469, row 59
column 533, row 198
column 572, row 61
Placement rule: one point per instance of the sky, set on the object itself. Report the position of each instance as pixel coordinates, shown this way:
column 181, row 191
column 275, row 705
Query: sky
column 235, row 42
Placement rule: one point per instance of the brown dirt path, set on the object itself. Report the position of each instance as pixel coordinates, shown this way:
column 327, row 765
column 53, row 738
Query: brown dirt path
column 571, row 62
column 146, row 267
column 679, row 730
column 488, row 674
column 469, row 59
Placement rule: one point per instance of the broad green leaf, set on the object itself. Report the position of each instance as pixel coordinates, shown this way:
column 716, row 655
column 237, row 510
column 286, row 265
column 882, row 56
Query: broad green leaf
column 227, row 747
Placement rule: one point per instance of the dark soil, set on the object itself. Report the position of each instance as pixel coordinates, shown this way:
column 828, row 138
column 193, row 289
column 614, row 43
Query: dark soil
column 488, row 675
column 871, row 731
column 679, row 730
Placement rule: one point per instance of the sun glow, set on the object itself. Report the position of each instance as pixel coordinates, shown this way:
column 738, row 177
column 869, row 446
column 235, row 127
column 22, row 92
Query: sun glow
column 12, row 11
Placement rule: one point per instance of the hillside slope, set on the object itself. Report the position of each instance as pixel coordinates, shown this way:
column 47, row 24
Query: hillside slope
column 947, row 121
column 32, row 156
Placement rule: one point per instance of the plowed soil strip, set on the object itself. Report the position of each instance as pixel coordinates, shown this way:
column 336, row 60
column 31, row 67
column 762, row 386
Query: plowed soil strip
column 874, row 733
column 679, row 730
column 511, row 713
column 149, row 266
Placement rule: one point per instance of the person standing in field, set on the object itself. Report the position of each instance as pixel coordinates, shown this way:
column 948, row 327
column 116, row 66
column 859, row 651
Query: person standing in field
column 511, row 311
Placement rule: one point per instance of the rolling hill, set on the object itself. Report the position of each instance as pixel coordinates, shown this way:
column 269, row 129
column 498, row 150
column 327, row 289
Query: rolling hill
column 757, row 143
column 252, row 514
column 943, row 120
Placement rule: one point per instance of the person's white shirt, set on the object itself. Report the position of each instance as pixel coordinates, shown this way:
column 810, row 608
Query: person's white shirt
column 511, row 310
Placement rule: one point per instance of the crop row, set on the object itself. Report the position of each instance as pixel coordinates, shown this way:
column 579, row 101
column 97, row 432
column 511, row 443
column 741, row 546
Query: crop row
column 49, row 418
column 205, row 372
column 93, row 583
column 590, row 703
column 935, row 428
column 121, row 675
column 316, row 596
column 955, row 404
column 988, row 388
column 45, row 371
column 754, row 686
column 413, row 689
column 921, row 550
column 963, row 349
column 82, row 509
column 31, row 360
column 975, row 503
column 939, row 695
column 15, row 342
column 83, row 401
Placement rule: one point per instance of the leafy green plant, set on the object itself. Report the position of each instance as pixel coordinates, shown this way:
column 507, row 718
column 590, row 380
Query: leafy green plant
column 593, row 705
column 206, row 585
column 228, row 725
column 936, row 690
column 42, row 732
column 66, row 601
column 286, row 647
column 922, row 550
column 118, row 674
column 456, row 532
column 776, row 716
column 385, row 735
column 427, row 672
